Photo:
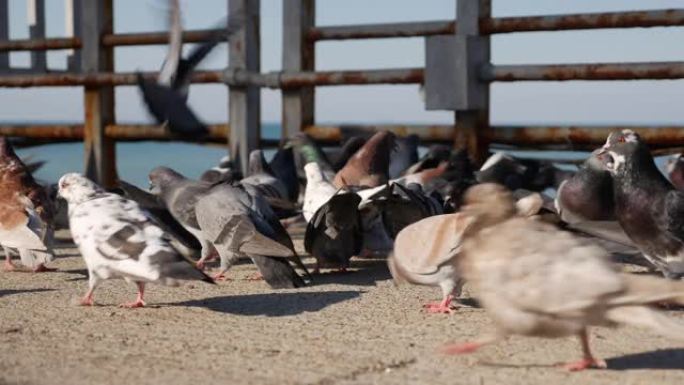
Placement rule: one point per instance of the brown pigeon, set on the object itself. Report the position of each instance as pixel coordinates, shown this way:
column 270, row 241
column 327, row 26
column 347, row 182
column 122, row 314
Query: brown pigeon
column 369, row 167
column 26, row 213
column 536, row 280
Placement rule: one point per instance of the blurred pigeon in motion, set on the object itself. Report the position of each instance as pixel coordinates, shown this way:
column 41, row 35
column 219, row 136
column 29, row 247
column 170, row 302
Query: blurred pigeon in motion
column 238, row 224
column 535, row 280
column 318, row 190
column 648, row 207
column 178, row 236
column 428, row 252
column 117, row 240
column 404, row 155
column 166, row 97
column 306, row 151
column 675, row 170
column 224, row 172
column 26, row 214
column 369, row 167
column 334, row 234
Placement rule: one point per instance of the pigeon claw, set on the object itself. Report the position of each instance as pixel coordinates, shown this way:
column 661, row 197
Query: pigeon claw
column 9, row 266
column 255, row 277
column 43, row 269
column 438, row 308
column 87, row 301
column 583, row 364
column 132, row 305
column 220, row 277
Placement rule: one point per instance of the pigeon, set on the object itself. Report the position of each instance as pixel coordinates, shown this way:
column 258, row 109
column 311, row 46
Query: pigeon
column 334, row 234
column 535, row 280
column 347, row 150
column 675, row 171
column 118, row 240
column 318, row 190
column 224, row 172
column 182, row 196
column 26, row 214
column 180, row 238
column 166, row 97
column 648, row 207
column 261, row 180
column 435, row 155
column 307, row 151
column 404, row 155
column 428, row 252
column 239, row 224
column 529, row 174
column 369, row 167
column 284, row 169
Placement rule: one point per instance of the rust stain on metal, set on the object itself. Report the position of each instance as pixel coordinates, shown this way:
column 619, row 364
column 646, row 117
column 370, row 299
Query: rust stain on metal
column 152, row 38
column 40, row 44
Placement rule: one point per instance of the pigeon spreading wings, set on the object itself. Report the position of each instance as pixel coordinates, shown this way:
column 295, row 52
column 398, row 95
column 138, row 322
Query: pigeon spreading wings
column 118, row 240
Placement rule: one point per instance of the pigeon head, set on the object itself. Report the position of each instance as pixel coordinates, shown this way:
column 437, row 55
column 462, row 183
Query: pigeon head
column 489, row 204
column 163, row 177
column 621, row 151
column 76, row 188
column 258, row 164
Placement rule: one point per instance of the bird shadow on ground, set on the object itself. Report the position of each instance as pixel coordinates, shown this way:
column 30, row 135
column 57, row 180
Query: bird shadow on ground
column 6, row 292
column 271, row 304
column 369, row 272
column 664, row 359
column 82, row 274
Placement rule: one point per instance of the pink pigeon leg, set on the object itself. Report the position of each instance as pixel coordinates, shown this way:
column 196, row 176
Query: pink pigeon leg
column 139, row 300
column 201, row 264
column 88, row 298
column 255, row 277
column 220, row 276
column 588, row 361
column 8, row 265
column 443, row 307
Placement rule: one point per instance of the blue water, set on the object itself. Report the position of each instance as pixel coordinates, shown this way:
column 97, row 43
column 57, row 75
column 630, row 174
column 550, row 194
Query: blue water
column 136, row 159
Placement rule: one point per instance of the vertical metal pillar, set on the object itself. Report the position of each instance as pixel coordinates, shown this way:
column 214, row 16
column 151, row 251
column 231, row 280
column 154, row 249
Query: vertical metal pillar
column 244, row 103
column 4, row 34
column 471, row 125
column 298, row 55
column 100, row 161
column 36, row 23
column 72, row 22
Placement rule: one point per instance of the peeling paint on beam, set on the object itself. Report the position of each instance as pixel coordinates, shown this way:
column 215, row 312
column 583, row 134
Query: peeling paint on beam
column 595, row 71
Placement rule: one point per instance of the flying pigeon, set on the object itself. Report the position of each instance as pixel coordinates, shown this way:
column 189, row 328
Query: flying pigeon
column 26, row 214
column 118, row 240
column 535, row 280
column 648, row 207
column 166, row 98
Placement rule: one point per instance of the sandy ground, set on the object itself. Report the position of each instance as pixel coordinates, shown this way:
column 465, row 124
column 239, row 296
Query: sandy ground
column 347, row 328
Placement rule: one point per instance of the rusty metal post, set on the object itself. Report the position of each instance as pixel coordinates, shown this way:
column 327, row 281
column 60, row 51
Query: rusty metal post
column 4, row 34
column 472, row 124
column 299, row 16
column 72, row 22
column 36, row 23
column 100, row 162
column 244, row 102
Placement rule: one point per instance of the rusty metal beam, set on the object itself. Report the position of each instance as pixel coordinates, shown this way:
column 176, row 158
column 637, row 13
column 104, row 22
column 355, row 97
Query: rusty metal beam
column 638, row 19
column 337, row 133
column 40, row 44
column 152, row 38
column 596, row 71
column 122, row 132
column 656, row 18
column 95, row 79
column 331, row 78
column 575, row 137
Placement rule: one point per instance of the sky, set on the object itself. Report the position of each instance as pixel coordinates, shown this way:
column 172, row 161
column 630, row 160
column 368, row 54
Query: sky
column 620, row 102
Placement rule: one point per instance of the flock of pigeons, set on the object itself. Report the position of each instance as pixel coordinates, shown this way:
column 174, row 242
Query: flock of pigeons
column 539, row 266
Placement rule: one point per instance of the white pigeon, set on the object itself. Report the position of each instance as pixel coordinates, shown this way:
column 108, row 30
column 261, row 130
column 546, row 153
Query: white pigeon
column 118, row 240
column 318, row 191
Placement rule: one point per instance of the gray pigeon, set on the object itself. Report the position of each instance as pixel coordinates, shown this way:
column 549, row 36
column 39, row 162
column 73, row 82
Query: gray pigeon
column 183, row 196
